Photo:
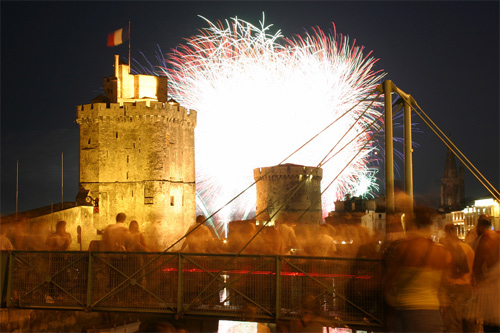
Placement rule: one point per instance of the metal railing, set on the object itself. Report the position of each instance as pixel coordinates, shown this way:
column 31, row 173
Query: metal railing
column 246, row 287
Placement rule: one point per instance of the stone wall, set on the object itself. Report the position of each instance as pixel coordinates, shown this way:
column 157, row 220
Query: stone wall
column 138, row 158
column 26, row 320
column 278, row 190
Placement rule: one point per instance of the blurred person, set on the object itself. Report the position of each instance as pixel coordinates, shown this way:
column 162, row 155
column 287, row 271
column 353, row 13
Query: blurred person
column 413, row 276
column 135, row 241
column 457, row 287
column 486, row 273
column 60, row 240
column 369, row 247
column 198, row 237
column 18, row 238
column 115, row 235
column 324, row 245
column 305, row 239
column 5, row 244
column 114, row 239
column 472, row 237
column 251, row 237
column 286, row 229
column 273, row 242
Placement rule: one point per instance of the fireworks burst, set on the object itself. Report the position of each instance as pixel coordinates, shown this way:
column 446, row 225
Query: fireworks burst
column 260, row 96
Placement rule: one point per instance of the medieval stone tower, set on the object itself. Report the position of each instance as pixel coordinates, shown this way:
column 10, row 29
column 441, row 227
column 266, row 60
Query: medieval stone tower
column 295, row 188
column 137, row 156
column 452, row 185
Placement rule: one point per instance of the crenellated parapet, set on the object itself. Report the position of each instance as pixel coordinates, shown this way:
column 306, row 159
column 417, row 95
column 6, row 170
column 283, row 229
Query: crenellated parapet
column 146, row 111
column 288, row 172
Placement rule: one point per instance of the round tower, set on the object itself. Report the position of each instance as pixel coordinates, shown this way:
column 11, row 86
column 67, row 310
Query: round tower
column 137, row 157
column 289, row 191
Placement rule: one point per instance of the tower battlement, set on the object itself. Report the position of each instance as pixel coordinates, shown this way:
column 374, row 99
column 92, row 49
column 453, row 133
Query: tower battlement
column 291, row 189
column 139, row 111
column 287, row 171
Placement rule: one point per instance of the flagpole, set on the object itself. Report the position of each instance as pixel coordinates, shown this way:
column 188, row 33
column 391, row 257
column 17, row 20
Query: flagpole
column 129, row 64
column 17, row 186
column 62, row 180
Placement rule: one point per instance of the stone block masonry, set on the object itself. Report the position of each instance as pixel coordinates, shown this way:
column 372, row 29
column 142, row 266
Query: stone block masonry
column 138, row 158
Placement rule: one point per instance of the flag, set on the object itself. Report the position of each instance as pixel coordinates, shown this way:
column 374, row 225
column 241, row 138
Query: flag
column 117, row 37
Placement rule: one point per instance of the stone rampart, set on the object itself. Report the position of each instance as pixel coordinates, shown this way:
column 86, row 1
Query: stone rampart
column 139, row 111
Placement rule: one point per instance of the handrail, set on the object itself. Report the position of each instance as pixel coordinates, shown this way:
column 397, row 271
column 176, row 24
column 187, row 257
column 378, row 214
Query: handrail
column 269, row 286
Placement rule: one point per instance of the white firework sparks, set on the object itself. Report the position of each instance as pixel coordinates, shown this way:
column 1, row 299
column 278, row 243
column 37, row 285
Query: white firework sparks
column 260, row 96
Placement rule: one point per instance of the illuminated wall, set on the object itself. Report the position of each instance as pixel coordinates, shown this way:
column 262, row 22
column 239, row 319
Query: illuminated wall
column 278, row 188
column 138, row 158
column 466, row 219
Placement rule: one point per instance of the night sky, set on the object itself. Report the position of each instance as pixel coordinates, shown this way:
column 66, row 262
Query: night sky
column 54, row 57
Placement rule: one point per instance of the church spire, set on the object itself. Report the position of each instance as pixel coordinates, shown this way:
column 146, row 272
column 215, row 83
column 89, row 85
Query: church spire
column 452, row 184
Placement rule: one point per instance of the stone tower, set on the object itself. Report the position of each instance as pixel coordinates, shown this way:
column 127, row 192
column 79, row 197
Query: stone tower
column 277, row 187
column 137, row 157
column 452, row 185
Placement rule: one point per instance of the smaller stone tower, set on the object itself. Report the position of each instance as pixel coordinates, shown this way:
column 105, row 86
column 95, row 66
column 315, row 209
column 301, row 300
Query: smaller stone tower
column 452, row 185
column 295, row 187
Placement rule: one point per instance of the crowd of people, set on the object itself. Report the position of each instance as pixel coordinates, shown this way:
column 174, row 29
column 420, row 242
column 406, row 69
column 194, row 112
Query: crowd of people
column 453, row 284
column 450, row 286
column 288, row 238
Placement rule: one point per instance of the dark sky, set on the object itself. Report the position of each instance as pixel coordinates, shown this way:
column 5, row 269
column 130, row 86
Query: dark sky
column 54, row 56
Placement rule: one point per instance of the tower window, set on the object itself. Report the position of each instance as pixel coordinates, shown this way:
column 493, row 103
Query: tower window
column 89, row 141
column 117, row 135
column 148, row 193
column 172, row 200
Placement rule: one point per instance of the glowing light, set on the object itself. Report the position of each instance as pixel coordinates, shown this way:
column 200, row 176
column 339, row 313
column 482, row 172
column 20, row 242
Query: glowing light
column 484, row 202
column 260, row 96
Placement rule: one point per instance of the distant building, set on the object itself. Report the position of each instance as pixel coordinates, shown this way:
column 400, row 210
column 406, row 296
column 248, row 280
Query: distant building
column 466, row 219
column 452, row 185
column 292, row 190
column 369, row 213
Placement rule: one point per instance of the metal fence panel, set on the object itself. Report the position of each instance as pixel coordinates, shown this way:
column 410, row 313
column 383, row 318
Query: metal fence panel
column 49, row 279
column 343, row 291
column 229, row 285
column 139, row 281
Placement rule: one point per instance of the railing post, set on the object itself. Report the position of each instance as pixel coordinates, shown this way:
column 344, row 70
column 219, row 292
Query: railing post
column 408, row 152
column 179, row 284
column 389, row 152
column 9, row 279
column 278, row 287
column 90, row 278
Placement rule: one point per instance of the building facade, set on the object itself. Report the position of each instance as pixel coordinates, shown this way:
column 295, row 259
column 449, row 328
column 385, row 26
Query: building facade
column 452, row 185
column 289, row 190
column 137, row 157
column 466, row 219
